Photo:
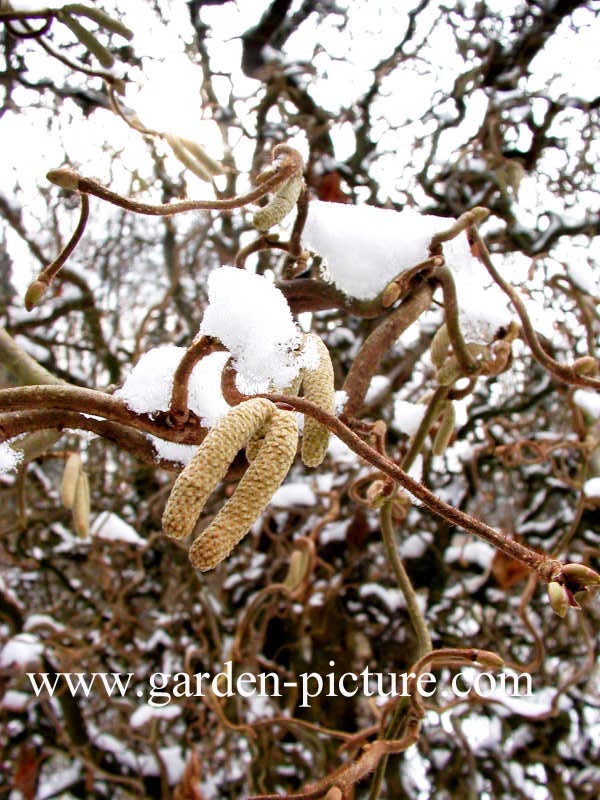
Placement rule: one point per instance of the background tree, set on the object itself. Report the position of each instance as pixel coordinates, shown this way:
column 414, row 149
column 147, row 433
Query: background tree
column 422, row 105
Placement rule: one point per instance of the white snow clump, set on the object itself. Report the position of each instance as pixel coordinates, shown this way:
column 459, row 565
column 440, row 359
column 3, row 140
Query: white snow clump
column 112, row 528
column 408, row 416
column 9, row 458
column 364, row 248
column 251, row 317
column 22, row 650
column 588, row 401
column 148, row 386
column 591, row 488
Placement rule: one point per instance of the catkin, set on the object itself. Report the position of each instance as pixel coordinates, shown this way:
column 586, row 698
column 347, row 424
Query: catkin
column 284, row 200
column 87, row 39
column 256, row 440
column 446, row 429
column 262, row 478
column 81, row 506
column 318, row 386
column 202, row 156
column 298, row 569
column 100, row 17
column 187, row 158
column 70, row 477
column 440, row 344
column 207, row 468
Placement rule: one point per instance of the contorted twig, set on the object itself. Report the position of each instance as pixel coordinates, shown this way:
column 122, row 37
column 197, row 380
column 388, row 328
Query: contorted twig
column 37, row 288
column 567, row 373
column 286, row 160
column 548, row 569
column 178, row 407
column 347, row 776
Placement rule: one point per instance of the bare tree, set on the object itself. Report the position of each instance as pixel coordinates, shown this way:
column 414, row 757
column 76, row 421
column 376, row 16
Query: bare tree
column 440, row 516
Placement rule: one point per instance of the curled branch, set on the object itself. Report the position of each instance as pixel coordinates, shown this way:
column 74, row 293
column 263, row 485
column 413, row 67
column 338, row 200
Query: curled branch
column 285, row 165
column 564, row 372
column 38, row 287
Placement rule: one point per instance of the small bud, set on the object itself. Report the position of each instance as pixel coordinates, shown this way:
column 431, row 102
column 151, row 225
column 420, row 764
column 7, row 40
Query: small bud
column 34, row 294
column 390, row 294
column 578, row 577
column 378, row 492
column 65, row 178
column 488, row 659
column 586, row 365
column 69, row 480
column 478, row 215
column 559, row 599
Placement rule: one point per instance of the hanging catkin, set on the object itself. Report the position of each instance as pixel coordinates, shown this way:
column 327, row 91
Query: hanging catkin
column 318, row 386
column 207, row 468
column 262, row 478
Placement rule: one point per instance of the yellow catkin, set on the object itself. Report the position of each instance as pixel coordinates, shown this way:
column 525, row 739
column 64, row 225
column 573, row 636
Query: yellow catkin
column 262, row 478
column 284, row 200
column 81, row 506
column 317, row 385
column 100, row 17
column 207, row 468
column 187, row 158
column 256, row 439
column 440, row 344
column 87, row 39
column 445, row 431
column 70, row 476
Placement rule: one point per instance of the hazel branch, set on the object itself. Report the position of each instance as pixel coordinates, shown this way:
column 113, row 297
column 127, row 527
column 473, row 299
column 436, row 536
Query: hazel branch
column 178, row 407
column 55, row 399
column 468, row 220
column 414, row 612
column 543, row 565
column 38, row 287
column 466, row 362
column 564, row 372
column 379, row 341
column 285, row 158
column 347, row 776
column 36, row 421
column 433, row 411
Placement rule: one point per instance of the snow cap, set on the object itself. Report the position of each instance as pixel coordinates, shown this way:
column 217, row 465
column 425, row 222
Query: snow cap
column 251, row 317
column 365, row 247
column 148, row 386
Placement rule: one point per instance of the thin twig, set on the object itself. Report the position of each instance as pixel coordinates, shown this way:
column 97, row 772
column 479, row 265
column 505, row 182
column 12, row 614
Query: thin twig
column 564, row 372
